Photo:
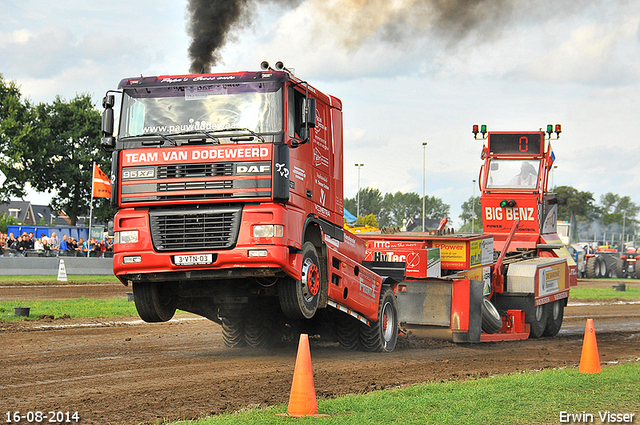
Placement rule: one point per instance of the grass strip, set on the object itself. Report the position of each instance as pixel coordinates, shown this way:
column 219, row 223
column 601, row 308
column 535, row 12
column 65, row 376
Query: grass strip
column 78, row 278
column 79, row 307
column 525, row 398
column 589, row 293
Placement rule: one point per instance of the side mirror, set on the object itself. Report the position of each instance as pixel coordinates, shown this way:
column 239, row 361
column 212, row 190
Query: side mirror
column 108, row 142
column 308, row 115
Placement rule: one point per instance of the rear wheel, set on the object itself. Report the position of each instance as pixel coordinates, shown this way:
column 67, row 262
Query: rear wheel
column 154, row 301
column 555, row 314
column 256, row 333
column 491, row 319
column 593, row 268
column 233, row 332
column 299, row 299
column 537, row 321
column 382, row 335
column 604, row 269
column 348, row 332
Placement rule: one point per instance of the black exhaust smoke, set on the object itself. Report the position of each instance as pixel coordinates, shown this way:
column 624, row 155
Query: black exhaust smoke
column 210, row 22
column 213, row 22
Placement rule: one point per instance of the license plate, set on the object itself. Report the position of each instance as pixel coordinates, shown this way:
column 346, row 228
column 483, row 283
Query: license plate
column 191, row 260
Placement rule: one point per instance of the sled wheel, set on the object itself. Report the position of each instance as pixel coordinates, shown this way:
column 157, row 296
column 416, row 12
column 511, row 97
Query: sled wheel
column 299, row 299
column 537, row 321
column 491, row 319
column 154, row 301
column 555, row 314
column 382, row 335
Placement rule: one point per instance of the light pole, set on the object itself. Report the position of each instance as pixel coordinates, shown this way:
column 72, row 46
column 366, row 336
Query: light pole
column 424, row 180
column 553, row 175
column 358, row 194
column 473, row 208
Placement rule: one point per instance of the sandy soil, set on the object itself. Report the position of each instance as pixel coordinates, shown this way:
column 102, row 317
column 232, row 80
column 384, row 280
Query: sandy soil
column 127, row 371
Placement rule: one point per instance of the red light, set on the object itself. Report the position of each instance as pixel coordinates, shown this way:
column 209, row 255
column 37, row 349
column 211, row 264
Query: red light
column 475, row 129
column 558, row 128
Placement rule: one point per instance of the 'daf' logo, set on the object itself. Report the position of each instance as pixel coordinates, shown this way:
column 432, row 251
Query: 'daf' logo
column 253, row 169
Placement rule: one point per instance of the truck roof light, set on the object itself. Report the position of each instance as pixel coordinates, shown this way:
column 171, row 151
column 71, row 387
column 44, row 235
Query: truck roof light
column 483, row 129
column 549, row 129
column 558, row 129
column 475, row 129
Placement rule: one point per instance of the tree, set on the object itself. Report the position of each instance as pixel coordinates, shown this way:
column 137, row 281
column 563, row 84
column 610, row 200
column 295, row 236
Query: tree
column 573, row 201
column 16, row 138
column 469, row 208
column 57, row 152
column 618, row 209
column 370, row 202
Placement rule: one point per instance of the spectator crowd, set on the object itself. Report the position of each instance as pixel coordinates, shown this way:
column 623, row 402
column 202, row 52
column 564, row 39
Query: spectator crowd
column 27, row 245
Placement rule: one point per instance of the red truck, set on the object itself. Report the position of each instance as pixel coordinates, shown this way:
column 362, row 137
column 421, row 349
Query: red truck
column 229, row 189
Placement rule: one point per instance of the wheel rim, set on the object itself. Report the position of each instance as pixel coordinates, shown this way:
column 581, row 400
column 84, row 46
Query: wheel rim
column 310, row 279
column 387, row 322
column 539, row 311
column 556, row 310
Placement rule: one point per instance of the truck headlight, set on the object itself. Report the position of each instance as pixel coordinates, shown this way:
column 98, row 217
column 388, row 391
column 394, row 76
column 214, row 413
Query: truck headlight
column 268, row 230
column 126, row 236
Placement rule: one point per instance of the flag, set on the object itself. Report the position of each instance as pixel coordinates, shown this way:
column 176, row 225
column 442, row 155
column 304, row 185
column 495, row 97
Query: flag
column 552, row 155
column 101, row 183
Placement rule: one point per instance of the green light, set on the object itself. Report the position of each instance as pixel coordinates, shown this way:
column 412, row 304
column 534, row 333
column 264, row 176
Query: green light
column 483, row 128
column 549, row 128
column 504, row 203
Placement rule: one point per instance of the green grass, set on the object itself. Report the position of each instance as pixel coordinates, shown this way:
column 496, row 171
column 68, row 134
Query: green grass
column 526, row 398
column 607, row 293
column 80, row 307
column 54, row 279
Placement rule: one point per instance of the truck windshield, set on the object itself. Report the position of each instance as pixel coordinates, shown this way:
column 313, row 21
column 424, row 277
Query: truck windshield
column 513, row 174
column 255, row 106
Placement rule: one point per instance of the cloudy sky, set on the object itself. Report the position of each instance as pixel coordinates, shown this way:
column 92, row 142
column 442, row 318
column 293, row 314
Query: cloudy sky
column 407, row 71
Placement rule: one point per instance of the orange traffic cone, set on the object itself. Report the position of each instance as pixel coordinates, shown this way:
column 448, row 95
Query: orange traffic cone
column 302, row 400
column 590, row 360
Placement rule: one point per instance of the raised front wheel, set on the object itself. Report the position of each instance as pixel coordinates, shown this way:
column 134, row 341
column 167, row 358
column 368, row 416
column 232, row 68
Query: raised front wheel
column 299, row 299
column 154, row 301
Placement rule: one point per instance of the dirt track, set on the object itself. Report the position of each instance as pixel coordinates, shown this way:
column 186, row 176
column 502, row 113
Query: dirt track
column 127, row 371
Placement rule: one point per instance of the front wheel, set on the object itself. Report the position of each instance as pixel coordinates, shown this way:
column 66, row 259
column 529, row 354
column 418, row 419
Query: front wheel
column 154, row 301
column 383, row 334
column 299, row 299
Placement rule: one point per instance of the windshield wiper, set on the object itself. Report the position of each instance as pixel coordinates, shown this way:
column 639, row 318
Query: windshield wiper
column 164, row 137
column 202, row 132
column 240, row 139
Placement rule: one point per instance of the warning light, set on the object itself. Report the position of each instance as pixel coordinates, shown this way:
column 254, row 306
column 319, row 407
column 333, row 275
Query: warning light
column 549, row 129
column 483, row 130
column 504, row 203
column 558, row 129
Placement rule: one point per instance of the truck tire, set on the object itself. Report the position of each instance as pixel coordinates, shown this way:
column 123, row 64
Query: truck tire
column 382, row 335
column 154, row 301
column 348, row 332
column 593, row 268
column 537, row 321
column 299, row 299
column 613, row 269
column 555, row 314
column 491, row 319
column 620, row 269
column 604, row 268
column 233, row 332
column 256, row 333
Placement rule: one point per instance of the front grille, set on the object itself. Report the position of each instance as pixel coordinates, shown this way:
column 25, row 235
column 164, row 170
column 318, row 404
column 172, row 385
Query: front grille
column 197, row 185
column 195, row 170
column 215, row 228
